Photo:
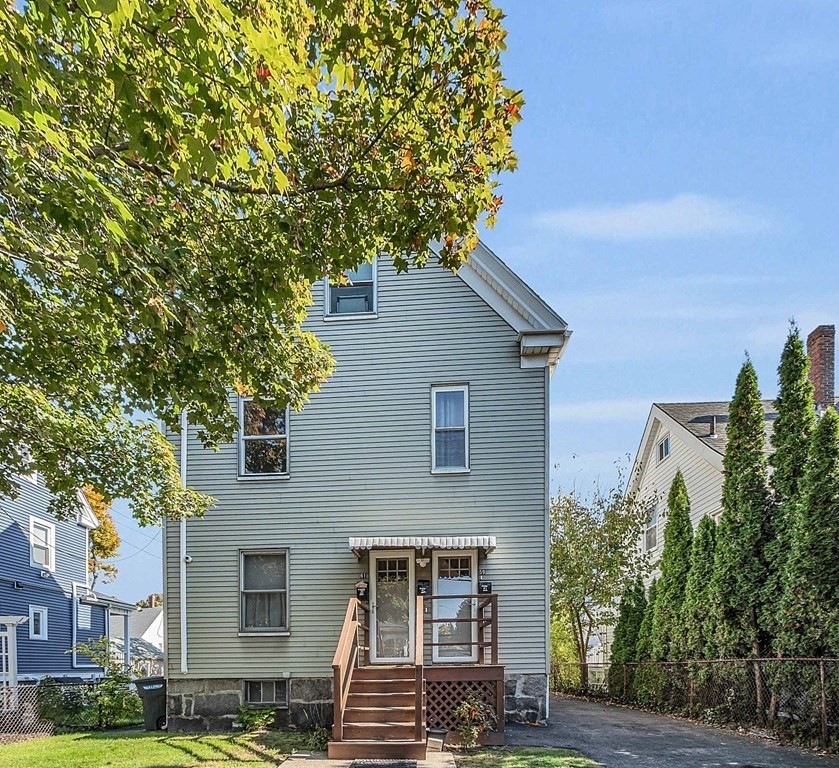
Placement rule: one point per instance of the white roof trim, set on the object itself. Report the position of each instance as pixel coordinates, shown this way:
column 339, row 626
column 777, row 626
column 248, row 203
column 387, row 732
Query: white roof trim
column 360, row 543
column 518, row 305
column 87, row 517
column 658, row 416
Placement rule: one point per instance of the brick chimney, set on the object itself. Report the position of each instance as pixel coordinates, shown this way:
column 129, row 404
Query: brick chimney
column 821, row 349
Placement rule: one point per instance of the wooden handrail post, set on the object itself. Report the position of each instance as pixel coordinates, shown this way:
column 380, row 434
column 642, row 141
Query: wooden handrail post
column 494, row 629
column 419, row 658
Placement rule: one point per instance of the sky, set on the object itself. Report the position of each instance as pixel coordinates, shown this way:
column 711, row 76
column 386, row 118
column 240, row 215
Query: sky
column 675, row 202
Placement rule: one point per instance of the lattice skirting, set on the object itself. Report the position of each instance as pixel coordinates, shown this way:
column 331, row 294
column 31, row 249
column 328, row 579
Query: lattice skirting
column 443, row 696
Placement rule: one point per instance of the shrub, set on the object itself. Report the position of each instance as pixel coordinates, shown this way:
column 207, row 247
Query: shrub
column 474, row 718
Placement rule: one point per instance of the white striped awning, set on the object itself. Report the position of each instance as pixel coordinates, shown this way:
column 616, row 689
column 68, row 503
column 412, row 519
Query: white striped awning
column 359, row 543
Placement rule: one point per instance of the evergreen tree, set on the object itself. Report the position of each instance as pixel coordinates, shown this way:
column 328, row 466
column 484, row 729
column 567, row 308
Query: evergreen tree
column 741, row 563
column 697, row 619
column 631, row 614
column 809, row 618
column 791, row 442
column 675, row 564
column 643, row 646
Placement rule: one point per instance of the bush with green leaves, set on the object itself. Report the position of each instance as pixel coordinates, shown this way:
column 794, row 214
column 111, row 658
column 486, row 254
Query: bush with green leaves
column 64, row 705
column 255, row 718
column 113, row 698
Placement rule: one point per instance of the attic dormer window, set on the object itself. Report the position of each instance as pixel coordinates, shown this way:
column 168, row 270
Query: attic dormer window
column 356, row 297
column 663, row 449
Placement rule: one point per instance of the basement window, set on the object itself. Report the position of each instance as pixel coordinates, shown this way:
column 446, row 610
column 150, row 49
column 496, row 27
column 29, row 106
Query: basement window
column 267, row 692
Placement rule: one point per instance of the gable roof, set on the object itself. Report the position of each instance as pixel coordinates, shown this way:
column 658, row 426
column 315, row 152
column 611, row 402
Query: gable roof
column 703, row 426
column 139, row 622
column 543, row 334
column 700, row 418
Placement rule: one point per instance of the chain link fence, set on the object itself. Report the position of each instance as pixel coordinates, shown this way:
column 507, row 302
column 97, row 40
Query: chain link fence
column 796, row 699
column 28, row 710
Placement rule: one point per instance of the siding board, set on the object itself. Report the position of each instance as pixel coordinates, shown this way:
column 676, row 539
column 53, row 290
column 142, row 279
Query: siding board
column 360, row 466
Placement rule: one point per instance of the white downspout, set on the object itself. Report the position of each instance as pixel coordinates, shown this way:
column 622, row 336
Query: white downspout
column 548, row 535
column 182, row 537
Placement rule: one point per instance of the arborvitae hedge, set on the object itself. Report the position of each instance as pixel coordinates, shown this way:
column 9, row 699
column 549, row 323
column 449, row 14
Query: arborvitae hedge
column 741, row 566
column 643, row 646
column 791, row 442
column 809, row 616
column 674, row 565
column 697, row 635
column 631, row 614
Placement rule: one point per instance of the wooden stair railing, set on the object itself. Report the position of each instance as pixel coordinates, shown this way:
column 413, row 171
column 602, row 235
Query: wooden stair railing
column 486, row 616
column 343, row 664
column 419, row 659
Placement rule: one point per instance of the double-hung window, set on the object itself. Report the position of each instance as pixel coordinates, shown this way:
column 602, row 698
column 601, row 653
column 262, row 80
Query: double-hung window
column 355, row 297
column 263, row 578
column 42, row 544
column 450, row 428
column 651, row 532
column 263, row 439
column 663, row 449
column 38, row 623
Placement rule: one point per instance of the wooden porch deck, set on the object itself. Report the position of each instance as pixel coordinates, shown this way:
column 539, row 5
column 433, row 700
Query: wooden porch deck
column 382, row 711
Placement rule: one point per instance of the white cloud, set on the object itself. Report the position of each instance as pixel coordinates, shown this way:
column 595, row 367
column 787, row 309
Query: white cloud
column 685, row 216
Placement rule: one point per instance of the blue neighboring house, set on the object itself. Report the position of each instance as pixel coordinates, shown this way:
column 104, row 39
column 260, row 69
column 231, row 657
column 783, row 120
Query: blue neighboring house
column 46, row 604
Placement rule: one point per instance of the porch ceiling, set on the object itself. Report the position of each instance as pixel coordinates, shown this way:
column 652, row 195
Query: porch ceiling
column 360, row 543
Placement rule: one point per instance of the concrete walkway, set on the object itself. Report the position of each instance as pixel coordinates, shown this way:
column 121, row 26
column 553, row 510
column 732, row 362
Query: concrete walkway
column 318, row 760
column 619, row 737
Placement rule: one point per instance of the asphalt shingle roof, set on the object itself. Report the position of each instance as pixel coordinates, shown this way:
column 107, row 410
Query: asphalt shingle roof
column 698, row 418
column 140, row 620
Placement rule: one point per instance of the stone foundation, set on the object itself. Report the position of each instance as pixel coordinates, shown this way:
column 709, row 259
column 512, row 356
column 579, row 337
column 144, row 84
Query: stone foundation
column 195, row 705
column 525, row 698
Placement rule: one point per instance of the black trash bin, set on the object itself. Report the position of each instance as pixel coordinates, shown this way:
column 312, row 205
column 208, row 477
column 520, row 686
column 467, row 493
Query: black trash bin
column 152, row 690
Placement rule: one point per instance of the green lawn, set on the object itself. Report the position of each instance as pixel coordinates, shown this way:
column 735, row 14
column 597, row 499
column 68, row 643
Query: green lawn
column 525, row 757
column 138, row 749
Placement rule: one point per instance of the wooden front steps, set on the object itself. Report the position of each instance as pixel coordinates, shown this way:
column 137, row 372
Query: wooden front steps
column 380, row 716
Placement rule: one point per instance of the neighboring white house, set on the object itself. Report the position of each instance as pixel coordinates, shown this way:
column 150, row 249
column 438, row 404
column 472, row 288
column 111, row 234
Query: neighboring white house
column 421, row 466
column 692, row 437
column 147, row 641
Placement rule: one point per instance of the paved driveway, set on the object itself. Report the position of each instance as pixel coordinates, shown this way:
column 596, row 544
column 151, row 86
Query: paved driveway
column 619, row 737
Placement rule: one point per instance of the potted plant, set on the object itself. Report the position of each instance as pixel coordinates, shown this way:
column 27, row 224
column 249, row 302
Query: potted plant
column 474, row 718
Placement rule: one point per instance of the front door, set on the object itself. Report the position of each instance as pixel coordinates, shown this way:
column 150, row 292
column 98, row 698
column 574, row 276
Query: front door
column 456, row 636
column 392, row 607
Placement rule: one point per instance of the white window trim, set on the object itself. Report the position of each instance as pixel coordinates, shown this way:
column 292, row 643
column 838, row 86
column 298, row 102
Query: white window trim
column 388, row 554
column 241, row 438
column 435, row 388
column 44, row 611
column 652, row 524
column 271, row 632
column 435, row 571
column 335, row 316
column 50, row 528
column 658, row 445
